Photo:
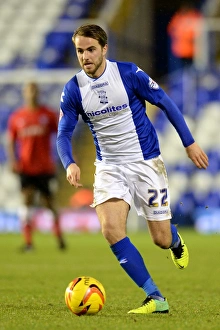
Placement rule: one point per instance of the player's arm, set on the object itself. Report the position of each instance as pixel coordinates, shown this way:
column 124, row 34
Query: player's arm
column 151, row 91
column 64, row 148
column 194, row 152
column 12, row 160
column 11, row 147
column 67, row 122
column 148, row 89
column 176, row 118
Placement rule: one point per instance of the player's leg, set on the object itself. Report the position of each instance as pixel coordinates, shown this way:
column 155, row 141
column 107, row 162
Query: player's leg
column 161, row 234
column 112, row 212
column 113, row 217
column 165, row 235
column 152, row 201
column 26, row 211
column 47, row 198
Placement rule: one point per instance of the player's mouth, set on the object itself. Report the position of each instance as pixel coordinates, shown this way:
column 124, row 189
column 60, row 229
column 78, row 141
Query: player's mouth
column 87, row 65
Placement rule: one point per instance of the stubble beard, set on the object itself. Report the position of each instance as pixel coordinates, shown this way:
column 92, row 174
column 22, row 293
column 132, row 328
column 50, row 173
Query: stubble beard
column 92, row 72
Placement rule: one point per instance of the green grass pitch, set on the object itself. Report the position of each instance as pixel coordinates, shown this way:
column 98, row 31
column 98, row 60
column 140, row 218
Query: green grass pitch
column 33, row 284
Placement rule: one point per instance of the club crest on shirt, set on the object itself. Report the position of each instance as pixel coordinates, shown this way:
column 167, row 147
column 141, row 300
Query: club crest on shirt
column 152, row 84
column 102, row 96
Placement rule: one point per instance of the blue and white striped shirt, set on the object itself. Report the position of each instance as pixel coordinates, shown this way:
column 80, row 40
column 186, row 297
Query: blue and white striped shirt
column 113, row 105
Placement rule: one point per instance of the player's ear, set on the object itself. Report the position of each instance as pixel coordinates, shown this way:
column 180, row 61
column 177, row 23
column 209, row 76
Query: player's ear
column 105, row 49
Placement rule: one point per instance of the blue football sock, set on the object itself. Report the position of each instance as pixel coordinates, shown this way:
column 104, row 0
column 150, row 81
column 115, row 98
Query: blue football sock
column 132, row 262
column 175, row 237
column 151, row 289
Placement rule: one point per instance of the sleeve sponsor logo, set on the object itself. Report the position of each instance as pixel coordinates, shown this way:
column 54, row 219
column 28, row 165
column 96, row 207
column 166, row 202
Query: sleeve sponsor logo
column 152, row 84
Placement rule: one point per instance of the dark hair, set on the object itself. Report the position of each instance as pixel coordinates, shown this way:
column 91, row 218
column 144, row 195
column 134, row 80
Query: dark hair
column 91, row 31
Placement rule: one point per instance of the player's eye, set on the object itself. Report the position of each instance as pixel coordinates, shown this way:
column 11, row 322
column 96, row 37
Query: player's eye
column 92, row 49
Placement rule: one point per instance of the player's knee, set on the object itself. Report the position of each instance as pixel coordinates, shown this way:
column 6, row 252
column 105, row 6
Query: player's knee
column 111, row 235
column 161, row 241
column 108, row 235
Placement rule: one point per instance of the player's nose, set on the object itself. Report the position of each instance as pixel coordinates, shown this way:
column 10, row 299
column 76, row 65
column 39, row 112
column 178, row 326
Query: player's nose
column 85, row 55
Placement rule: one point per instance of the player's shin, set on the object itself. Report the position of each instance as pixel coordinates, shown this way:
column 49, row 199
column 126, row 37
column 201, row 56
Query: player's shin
column 132, row 262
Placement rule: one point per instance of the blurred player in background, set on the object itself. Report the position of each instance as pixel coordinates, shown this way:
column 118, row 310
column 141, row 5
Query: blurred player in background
column 110, row 96
column 30, row 129
column 183, row 29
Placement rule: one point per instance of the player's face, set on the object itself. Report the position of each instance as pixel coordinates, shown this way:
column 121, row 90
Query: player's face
column 91, row 56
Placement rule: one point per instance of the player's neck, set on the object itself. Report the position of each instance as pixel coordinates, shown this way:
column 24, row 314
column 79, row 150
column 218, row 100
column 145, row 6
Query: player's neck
column 32, row 105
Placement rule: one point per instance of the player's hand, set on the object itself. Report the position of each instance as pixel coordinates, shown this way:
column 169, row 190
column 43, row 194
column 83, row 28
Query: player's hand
column 197, row 155
column 73, row 175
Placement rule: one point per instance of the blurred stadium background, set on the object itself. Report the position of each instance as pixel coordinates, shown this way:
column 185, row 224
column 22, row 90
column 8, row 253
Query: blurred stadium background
column 36, row 45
